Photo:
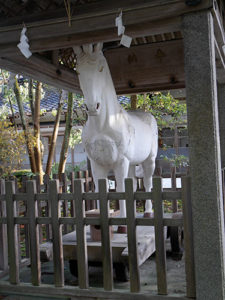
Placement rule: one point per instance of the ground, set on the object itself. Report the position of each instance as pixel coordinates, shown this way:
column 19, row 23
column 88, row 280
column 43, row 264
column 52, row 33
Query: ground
column 175, row 276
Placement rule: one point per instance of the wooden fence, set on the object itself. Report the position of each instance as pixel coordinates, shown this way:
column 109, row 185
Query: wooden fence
column 9, row 221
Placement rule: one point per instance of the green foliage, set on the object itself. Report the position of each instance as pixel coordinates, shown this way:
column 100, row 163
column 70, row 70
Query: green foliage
column 167, row 110
column 75, row 137
column 69, row 168
column 19, row 173
column 177, row 160
column 12, row 148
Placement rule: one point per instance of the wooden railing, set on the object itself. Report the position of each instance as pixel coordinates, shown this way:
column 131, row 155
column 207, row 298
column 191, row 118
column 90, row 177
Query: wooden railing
column 9, row 221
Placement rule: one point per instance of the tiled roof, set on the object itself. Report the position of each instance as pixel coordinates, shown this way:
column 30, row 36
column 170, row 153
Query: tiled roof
column 50, row 101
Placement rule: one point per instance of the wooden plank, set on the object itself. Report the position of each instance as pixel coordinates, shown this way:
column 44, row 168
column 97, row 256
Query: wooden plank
column 166, row 195
column 167, row 221
column 131, row 236
column 43, row 71
column 12, row 234
column 65, row 202
column 32, row 212
column 3, row 231
column 42, row 197
column 71, row 291
column 43, row 220
column 105, row 237
column 57, row 234
column 100, row 21
column 21, row 220
column 130, row 67
column 188, row 237
column 82, row 261
column 159, row 237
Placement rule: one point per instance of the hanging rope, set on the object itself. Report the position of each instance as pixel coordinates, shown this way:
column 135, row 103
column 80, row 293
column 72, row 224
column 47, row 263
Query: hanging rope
column 68, row 11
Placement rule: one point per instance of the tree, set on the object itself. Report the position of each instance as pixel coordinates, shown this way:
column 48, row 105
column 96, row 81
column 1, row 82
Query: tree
column 29, row 145
column 12, row 148
column 167, row 110
column 65, row 144
column 54, row 138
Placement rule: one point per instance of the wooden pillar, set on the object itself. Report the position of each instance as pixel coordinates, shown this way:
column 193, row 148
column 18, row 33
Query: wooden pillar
column 203, row 128
column 133, row 102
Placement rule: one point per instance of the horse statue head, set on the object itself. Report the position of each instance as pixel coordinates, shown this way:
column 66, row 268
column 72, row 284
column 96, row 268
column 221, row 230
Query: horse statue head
column 91, row 69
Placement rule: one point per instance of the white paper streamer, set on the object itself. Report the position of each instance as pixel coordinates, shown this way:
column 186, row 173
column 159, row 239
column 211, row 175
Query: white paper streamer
column 125, row 39
column 64, row 95
column 24, row 45
column 119, row 24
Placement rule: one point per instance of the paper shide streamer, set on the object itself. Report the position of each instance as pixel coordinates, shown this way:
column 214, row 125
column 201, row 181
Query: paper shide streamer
column 125, row 39
column 24, row 44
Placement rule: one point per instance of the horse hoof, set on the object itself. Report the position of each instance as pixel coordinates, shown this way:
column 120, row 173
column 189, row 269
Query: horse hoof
column 148, row 215
column 122, row 229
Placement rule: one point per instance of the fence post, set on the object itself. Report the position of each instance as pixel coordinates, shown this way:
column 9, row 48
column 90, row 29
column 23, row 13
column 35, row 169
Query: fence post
column 3, row 231
column 159, row 236
column 56, row 234
column 131, row 236
column 32, row 211
column 12, row 233
column 82, row 260
column 174, row 188
column 37, row 179
column 188, row 237
column 65, row 202
column 105, row 237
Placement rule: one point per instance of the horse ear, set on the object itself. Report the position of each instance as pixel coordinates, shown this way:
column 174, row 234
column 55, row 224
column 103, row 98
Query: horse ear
column 98, row 47
column 88, row 49
column 77, row 50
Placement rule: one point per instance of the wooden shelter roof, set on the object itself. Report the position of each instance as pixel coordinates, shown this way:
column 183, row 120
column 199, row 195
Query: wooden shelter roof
column 154, row 61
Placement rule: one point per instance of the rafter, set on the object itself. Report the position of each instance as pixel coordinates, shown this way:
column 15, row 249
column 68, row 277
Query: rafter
column 91, row 23
column 42, row 70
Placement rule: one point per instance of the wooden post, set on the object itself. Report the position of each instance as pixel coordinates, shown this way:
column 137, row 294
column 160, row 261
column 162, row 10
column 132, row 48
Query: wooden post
column 33, row 233
column 3, row 231
column 56, row 234
column 105, row 237
column 82, row 260
column 159, row 236
column 174, row 188
column 47, row 207
column 38, row 190
column 133, row 102
column 131, row 236
column 65, row 202
column 12, row 233
column 188, row 237
column 205, row 161
column 72, row 207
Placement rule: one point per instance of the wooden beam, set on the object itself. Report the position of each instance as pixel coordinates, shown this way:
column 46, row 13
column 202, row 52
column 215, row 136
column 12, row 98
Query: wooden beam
column 149, row 67
column 42, row 70
column 137, row 69
column 98, row 24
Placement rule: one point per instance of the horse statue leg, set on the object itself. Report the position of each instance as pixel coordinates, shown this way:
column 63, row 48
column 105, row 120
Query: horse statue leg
column 121, row 172
column 148, row 168
column 132, row 174
column 98, row 172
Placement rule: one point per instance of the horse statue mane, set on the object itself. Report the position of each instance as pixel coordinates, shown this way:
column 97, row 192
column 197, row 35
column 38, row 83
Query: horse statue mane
column 113, row 138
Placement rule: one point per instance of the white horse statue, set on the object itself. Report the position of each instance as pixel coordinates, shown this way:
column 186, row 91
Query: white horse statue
column 113, row 138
